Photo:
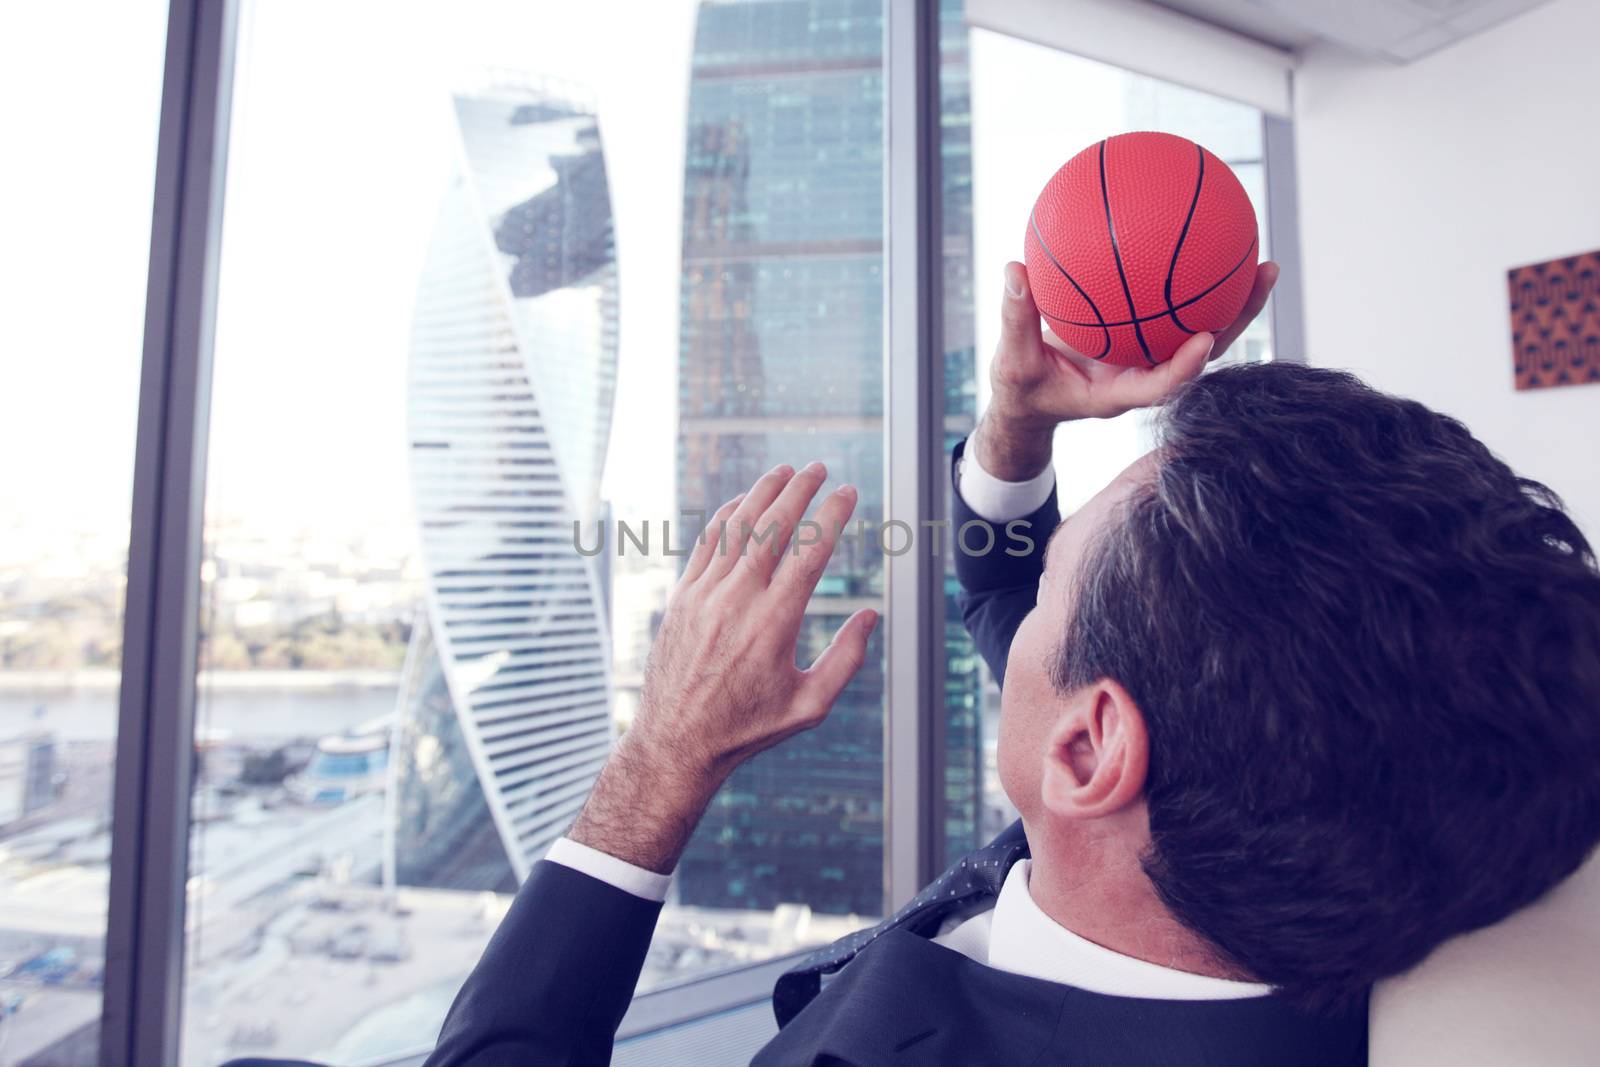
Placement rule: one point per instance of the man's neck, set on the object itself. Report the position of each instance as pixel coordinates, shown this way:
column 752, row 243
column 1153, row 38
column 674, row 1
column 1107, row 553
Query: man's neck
column 1108, row 899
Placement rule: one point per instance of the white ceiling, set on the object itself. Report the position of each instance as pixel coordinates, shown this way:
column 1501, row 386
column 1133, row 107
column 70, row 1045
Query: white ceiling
column 1397, row 30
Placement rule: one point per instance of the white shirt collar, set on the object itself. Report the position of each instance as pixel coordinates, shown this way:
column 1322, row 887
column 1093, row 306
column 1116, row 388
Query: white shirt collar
column 1024, row 940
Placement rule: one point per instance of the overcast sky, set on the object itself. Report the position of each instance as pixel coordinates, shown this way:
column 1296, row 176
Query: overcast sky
column 341, row 143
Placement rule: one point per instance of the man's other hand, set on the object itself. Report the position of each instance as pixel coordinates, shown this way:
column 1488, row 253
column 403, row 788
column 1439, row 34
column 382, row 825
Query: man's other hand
column 722, row 684
column 1038, row 382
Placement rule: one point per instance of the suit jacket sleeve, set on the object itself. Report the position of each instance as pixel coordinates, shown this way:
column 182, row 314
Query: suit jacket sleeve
column 556, row 978
column 998, row 586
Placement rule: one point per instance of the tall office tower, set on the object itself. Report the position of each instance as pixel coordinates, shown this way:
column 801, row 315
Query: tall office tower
column 780, row 359
column 505, row 716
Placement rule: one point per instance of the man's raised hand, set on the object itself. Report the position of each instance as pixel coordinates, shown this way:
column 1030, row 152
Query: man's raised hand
column 721, row 683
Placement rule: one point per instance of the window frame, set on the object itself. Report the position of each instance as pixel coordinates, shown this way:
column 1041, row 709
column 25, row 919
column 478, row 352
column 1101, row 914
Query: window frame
column 1283, row 227
column 145, row 946
column 913, row 447
column 142, row 995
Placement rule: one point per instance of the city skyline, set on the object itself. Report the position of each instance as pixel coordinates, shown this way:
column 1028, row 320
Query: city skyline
column 396, row 160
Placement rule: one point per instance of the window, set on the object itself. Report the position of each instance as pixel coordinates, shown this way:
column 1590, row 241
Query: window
column 780, row 359
column 81, row 117
column 596, row 279
column 1012, row 158
column 508, row 293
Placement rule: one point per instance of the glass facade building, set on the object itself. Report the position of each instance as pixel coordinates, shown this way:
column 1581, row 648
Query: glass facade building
column 780, row 360
column 505, row 704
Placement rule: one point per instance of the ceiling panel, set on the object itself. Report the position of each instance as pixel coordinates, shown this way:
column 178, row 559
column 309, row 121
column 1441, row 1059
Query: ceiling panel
column 1397, row 30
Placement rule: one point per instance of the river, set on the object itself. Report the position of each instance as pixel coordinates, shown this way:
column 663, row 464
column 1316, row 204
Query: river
column 275, row 707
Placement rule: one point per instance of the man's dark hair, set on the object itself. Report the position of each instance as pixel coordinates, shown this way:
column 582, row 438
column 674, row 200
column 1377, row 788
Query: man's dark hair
column 1368, row 658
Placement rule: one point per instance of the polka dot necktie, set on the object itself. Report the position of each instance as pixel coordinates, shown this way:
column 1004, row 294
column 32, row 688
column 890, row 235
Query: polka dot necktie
column 963, row 889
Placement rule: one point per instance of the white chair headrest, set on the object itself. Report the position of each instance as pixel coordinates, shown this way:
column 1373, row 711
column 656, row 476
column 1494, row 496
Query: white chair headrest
column 1523, row 992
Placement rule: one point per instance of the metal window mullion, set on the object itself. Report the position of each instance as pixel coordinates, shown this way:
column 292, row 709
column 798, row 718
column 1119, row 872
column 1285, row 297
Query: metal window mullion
column 155, row 735
column 1283, row 230
column 913, row 446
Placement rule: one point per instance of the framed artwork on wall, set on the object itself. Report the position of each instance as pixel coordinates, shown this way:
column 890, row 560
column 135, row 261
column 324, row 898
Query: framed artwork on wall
column 1555, row 321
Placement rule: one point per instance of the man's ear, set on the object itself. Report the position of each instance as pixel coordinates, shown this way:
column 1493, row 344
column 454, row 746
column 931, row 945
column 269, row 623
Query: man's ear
column 1097, row 755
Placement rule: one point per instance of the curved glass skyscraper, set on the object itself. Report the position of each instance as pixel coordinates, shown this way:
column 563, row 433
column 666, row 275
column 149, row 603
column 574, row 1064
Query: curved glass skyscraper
column 505, row 710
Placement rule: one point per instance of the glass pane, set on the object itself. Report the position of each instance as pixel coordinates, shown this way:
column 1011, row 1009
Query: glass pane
column 75, row 196
column 452, row 308
column 780, row 360
column 1016, row 140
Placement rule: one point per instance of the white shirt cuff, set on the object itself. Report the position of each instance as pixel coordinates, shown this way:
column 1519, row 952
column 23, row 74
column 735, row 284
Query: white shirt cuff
column 608, row 869
column 1000, row 501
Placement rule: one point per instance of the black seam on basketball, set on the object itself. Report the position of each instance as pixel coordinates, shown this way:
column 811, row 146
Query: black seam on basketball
column 1166, row 292
column 1038, row 236
column 1116, row 253
column 1207, row 291
column 1069, row 322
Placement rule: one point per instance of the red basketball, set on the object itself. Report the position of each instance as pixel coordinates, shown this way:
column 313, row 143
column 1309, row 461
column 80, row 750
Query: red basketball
column 1139, row 242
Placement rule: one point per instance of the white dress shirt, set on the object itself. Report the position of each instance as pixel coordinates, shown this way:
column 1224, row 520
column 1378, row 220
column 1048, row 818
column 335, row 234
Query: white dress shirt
column 606, row 868
column 1015, row 935
column 1000, row 501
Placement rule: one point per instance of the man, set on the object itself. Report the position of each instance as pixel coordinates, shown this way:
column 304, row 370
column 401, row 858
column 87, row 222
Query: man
column 1310, row 689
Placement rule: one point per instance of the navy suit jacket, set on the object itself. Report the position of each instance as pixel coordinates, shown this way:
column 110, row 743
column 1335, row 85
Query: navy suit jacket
column 558, row 975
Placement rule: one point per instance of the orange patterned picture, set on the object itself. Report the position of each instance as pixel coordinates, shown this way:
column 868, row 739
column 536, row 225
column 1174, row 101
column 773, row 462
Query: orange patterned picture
column 1555, row 322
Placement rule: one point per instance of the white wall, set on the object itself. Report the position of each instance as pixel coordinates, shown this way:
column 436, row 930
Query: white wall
column 1419, row 187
